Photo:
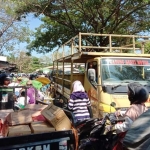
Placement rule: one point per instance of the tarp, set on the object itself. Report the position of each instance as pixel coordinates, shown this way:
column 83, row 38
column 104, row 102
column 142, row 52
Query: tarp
column 138, row 136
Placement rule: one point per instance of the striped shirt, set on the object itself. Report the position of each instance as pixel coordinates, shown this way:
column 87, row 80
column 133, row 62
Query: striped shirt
column 79, row 105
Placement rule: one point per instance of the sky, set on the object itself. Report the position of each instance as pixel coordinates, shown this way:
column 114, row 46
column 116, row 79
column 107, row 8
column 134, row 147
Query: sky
column 33, row 23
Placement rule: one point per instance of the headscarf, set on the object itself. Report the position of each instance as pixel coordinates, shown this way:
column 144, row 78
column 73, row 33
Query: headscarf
column 137, row 93
column 77, row 86
column 78, row 91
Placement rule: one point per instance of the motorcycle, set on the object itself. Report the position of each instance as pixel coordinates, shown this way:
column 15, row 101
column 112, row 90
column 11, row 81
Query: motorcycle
column 98, row 138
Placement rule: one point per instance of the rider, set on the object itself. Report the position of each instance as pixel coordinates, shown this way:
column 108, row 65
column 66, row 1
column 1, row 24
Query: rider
column 137, row 95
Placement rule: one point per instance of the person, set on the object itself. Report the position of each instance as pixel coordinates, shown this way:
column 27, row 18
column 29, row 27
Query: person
column 15, row 83
column 20, row 103
column 79, row 102
column 31, row 92
column 137, row 95
column 5, row 80
column 7, row 95
column 91, row 73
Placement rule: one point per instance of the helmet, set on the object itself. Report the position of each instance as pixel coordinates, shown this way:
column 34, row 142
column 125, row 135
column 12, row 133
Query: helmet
column 137, row 93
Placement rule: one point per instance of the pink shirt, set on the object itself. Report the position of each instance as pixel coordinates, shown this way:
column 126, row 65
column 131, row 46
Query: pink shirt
column 135, row 111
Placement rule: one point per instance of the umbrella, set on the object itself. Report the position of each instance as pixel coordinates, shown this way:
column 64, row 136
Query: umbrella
column 43, row 80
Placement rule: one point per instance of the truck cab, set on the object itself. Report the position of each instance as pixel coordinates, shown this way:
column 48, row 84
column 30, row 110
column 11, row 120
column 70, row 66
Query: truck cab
column 107, row 71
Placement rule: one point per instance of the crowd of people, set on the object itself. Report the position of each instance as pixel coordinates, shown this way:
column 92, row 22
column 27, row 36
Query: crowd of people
column 25, row 90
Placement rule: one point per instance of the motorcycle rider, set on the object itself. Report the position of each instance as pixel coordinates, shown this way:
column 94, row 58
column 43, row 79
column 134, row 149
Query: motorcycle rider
column 137, row 95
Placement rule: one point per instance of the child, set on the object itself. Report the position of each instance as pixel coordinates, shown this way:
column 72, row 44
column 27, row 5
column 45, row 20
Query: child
column 79, row 102
column 21, row 100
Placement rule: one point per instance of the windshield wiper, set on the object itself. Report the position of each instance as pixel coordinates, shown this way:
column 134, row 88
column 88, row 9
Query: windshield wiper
column 124, row 81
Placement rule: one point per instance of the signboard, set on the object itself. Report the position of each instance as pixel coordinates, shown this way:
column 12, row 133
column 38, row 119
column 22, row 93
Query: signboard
column 126, row 61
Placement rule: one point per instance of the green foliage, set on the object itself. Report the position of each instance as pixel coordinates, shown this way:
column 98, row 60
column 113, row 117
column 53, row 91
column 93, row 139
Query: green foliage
column 12, row 30
column 24, row 62
column 64, row 19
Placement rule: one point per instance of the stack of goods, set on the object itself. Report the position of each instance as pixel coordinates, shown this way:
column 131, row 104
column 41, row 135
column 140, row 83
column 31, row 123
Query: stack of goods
column 33, row 119
column 3, row 122
column 19, row 123
column 56, row 116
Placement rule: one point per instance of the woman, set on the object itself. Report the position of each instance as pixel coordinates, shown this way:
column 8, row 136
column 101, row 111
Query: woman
column 137, row 95
column 31, row 93
column 79, row 102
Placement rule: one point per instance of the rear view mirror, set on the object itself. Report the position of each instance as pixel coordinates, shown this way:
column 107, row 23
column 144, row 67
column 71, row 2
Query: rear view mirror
column 91, row 74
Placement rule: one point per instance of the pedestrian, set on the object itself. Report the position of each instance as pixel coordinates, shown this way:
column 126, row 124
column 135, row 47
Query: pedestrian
column 31, row 93
column 79, row 102
column 5, row 80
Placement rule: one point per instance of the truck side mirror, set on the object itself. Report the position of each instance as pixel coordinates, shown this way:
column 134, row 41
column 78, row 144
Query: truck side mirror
column 91, row 74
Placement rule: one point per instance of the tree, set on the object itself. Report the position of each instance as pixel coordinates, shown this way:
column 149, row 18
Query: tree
column 36, row 64
column 12, row 30
column 22, row 61
column 46, row 60
column 25, row 63
column 65, row 19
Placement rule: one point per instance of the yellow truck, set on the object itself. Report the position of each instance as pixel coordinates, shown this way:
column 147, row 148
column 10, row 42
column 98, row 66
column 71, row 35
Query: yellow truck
column 107, row 68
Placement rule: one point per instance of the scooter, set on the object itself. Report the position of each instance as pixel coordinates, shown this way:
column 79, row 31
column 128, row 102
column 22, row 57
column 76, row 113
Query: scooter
column 99, row 139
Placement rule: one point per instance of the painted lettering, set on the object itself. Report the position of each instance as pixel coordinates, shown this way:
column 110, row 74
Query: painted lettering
column 30, row 148
column 117, row 62
column 46, row 147
column 37, row 147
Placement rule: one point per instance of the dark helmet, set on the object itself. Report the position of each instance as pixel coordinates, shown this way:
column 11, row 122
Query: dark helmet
column 137, row 93
column 3, row 77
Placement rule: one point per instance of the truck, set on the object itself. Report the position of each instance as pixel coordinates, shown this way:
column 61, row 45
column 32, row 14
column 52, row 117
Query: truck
column 115, row 63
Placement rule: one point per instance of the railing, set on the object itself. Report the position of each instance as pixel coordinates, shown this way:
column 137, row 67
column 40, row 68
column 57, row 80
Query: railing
column 103, row 43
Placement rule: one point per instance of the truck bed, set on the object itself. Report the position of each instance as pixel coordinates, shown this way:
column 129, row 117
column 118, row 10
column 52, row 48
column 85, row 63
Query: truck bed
column 58, row 140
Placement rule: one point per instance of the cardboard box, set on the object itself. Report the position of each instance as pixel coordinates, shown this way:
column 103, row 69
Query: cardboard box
column 37, row 116
column 3, row 122
column 41, row 127
column 36, row 107
column 56, row 117
column 4, row 114
column 19, row 117
column 19, row 130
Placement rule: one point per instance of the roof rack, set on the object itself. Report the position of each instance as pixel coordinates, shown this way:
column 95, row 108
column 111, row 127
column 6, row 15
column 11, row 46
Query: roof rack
column 101, row 43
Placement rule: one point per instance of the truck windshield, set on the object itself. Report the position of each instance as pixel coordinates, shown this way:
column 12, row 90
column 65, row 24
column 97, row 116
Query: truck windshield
column 125, row 70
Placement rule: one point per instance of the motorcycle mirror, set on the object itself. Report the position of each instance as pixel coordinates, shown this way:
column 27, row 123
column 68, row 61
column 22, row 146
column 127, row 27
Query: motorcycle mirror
column 113, row 104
